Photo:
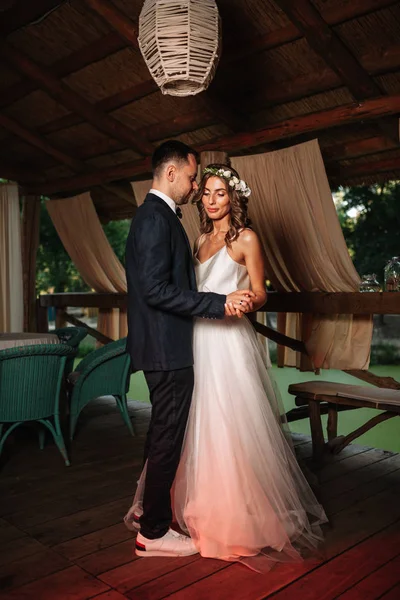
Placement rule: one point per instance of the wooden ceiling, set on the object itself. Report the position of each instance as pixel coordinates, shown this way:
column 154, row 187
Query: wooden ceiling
column 79, row 110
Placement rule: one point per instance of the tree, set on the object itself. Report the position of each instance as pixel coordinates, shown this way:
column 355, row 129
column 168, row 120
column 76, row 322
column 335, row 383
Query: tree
column 373, row 234
column 55, row 270
column 117, row 232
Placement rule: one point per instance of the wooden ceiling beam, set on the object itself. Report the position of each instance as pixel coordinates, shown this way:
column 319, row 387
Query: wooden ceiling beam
column 179, row 125
column 290, row 90
column 340, row 12
column 98, row 148
column 42, row 144
column 383, row 60
column 112, row 42
column 97, row 50
column 364, row 169
column 313, row 122
column 86, row 181
column 222, row 112
column 324, row 41
column 119, row 21
column 336, row 151
column 357, row 148
column 386, row 59
column 118, row 100
column 154, row 133
column 24, row 13
column 63, row 94
column 335, row 14
column 75, row 164
column 17, row 172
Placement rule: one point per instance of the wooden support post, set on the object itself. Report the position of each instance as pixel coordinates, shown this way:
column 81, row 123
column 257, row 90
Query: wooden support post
column 280, row 349
column 29, row 247
column 336, row 445
column 332, row 421
column 213, row 156
column 42, row 321
column 60, row 318
column 317, row 434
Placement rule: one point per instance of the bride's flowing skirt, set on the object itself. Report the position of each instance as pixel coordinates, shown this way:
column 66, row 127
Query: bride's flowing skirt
column 239, row 491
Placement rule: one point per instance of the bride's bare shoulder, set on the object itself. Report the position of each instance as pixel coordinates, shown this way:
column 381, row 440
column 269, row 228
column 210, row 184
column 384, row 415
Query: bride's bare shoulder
column 247, row 237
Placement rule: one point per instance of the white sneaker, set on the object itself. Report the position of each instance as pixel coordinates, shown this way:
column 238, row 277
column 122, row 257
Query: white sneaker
column 171, row 544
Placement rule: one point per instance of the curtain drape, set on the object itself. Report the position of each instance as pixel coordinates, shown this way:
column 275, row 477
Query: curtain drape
column 190, row 215
column 11, row 288
column 292, row 209
column 82, row 235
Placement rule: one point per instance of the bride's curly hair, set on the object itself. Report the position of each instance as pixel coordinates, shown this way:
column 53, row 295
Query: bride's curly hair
column 238, row 202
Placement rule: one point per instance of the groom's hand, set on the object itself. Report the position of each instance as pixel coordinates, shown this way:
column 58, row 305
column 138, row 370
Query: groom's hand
column 239, row 302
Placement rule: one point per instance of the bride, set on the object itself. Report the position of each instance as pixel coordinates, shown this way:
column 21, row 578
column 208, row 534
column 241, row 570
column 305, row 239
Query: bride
column 238, row 492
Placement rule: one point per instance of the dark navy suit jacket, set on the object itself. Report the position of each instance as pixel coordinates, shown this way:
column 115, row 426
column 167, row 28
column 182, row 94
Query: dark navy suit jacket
column 162, row 292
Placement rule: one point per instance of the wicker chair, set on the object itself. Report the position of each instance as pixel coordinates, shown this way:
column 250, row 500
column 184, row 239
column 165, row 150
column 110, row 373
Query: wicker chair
column 30, row 385
column 73, row 337
column 104, row 372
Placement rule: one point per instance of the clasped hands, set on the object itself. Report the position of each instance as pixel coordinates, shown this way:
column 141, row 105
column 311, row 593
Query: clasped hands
column 238, row 303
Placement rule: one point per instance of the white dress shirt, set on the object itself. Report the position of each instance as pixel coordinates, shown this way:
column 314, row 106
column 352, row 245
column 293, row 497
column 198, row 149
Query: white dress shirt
column 164, row 197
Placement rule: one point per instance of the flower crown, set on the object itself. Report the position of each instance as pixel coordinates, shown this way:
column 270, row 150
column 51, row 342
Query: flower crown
column 238, row 185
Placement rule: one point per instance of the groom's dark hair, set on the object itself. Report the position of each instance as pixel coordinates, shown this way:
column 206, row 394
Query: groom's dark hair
column 170, row 150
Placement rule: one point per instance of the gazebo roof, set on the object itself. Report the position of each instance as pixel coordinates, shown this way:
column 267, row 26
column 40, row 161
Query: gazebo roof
column 80, row 111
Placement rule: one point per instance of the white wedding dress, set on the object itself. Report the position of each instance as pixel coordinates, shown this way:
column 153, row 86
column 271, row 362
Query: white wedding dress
column 238, row 492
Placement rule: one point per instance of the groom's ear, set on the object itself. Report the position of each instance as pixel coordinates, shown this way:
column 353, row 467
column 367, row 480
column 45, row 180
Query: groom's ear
column 170, row 172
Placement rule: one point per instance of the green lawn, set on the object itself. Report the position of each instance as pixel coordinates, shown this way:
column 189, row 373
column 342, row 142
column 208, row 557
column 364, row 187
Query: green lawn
column 385, row 436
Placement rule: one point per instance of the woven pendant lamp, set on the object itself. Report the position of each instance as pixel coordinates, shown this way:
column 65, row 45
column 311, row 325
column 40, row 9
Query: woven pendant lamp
column 180, row 41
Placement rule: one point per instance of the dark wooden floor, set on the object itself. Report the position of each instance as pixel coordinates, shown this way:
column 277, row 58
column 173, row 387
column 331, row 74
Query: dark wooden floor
column 61, row 531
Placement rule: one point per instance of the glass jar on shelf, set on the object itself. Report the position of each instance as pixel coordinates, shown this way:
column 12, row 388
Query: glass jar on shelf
column 392, row 275
column 369, row 283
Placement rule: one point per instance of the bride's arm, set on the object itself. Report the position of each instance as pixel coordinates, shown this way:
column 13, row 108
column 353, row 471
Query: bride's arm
column 254, row 260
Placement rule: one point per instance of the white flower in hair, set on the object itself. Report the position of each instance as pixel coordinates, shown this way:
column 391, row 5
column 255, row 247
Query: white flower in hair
column 238, row 185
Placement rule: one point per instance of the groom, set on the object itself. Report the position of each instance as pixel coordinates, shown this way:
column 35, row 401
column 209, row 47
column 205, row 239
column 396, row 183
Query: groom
column 163, row 300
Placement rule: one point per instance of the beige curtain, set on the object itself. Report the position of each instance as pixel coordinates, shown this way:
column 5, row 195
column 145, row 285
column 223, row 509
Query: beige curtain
column 292, row 209
column 82, row 235
column 11, row 288
column 190, row 215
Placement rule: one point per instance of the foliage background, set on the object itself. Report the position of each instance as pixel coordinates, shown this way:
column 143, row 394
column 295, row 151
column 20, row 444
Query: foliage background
column 55, row 270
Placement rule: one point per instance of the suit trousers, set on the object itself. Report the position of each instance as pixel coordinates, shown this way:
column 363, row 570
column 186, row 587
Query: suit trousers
column 170, row 396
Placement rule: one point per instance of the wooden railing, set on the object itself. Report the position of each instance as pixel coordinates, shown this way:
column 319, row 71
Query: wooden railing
column 356, row 303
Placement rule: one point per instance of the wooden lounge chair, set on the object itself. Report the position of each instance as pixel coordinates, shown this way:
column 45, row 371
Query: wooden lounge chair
column 339, row 396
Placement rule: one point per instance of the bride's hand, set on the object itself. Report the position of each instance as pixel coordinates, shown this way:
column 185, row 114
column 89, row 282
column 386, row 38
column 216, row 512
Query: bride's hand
column 244, row 298
column 231, row 311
